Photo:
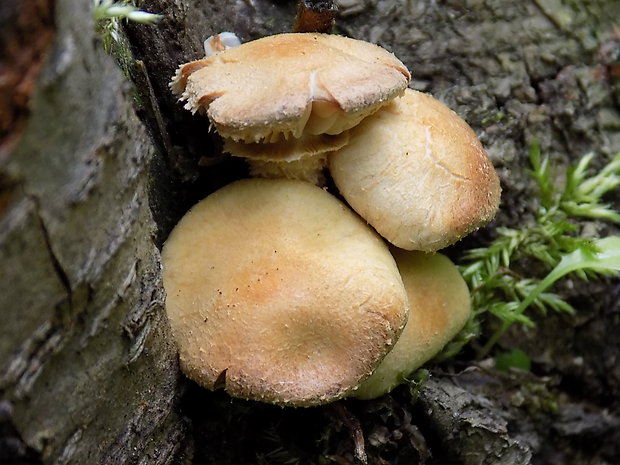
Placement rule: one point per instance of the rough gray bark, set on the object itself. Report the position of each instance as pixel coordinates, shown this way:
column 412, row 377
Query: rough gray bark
column 88, row 372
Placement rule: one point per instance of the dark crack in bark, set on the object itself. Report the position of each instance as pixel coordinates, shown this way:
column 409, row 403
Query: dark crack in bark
column 60, row 272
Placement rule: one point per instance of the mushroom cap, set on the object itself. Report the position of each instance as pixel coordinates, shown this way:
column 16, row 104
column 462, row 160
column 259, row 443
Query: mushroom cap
column 440, row 305
column 278, row 292
column 286, row 85
column 220, row 42
column 417, row 173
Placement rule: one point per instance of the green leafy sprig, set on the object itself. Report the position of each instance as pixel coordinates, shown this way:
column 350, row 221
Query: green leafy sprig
column 108, row 13
column 552, row 243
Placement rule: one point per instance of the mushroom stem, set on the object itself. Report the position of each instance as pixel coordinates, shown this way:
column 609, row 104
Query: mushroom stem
column 310, row 169
column 315, row 16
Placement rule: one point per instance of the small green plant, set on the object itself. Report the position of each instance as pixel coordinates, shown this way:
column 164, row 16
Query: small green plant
column 553, row 244
column 514, row 358
column 108, row 14
column 416, row 382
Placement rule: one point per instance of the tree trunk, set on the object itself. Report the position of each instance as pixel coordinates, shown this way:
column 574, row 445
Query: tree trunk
column 98, row 162
column 88, row 373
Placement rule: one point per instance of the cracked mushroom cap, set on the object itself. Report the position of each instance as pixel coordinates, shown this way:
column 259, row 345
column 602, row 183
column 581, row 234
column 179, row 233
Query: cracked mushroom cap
column 440, row 305
column 277, row 292
column 417, row 173
column 297, row 85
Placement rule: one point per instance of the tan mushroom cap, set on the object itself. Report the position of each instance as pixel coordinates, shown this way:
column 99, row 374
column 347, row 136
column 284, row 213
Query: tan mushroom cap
column 279, row 293
column 288, row 85
column 440, row 307
column 417, row 173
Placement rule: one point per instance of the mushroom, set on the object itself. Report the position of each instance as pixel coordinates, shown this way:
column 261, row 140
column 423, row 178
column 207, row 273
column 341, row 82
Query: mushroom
column 417, row 173
column 290, row 92
column 439, row 308
column 220, row 42
column 278, row 292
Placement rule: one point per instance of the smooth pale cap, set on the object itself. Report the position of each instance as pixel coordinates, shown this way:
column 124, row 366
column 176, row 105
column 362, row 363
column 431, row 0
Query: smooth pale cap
column 278, row 292
column 417, row 173
column 288, row 85
column 439, row 308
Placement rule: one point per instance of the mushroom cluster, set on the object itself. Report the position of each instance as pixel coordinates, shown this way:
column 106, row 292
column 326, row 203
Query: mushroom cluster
column 276, row 290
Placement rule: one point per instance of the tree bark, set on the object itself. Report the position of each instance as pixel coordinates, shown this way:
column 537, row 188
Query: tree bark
column 88, row 373
column 102, row 162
